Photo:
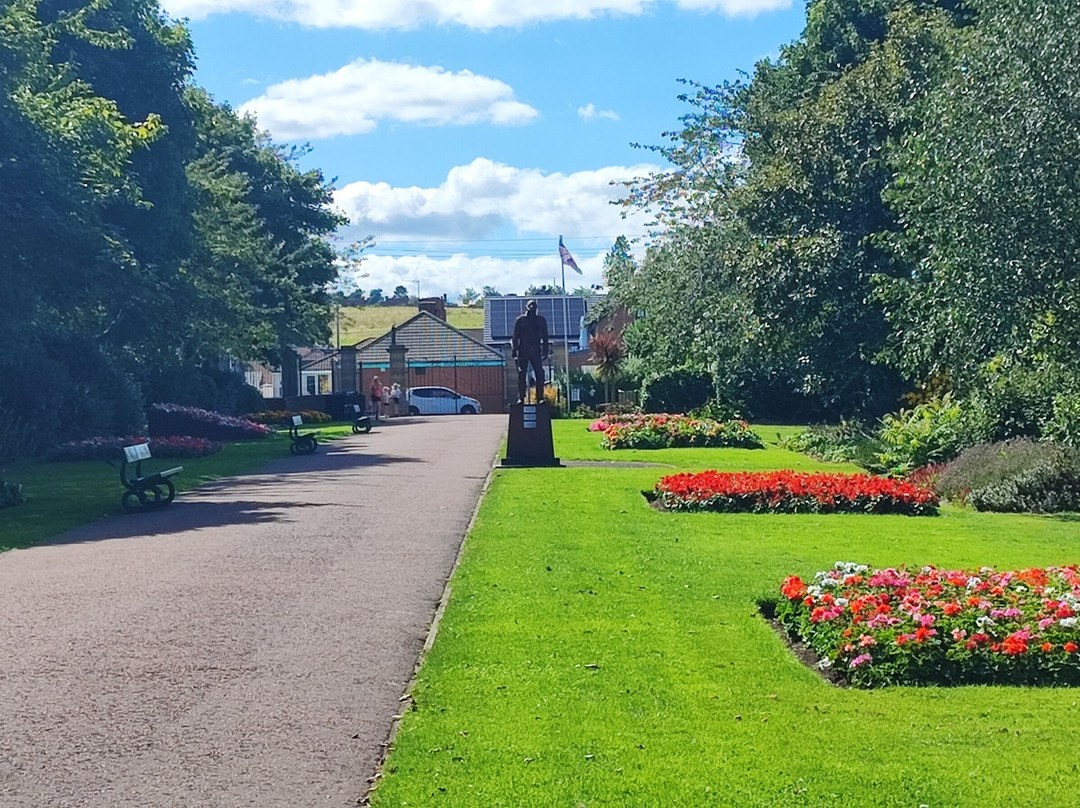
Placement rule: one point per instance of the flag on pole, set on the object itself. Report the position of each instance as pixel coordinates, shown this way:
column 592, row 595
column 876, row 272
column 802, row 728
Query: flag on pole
column 567, row 258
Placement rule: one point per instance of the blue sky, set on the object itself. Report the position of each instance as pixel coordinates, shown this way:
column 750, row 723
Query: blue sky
column 466, row 136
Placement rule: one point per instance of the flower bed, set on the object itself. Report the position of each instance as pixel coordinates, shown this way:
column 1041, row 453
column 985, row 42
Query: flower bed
column 275, row 417
column 895, row 626
column 109, row 448
column 175, row 419
column 663, row 431
column 792, row 492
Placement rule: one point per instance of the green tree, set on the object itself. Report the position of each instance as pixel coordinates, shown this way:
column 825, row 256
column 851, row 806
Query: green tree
column 988, row 193
column 771, row 215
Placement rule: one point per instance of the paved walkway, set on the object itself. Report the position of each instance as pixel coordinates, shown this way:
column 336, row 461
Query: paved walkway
column 246, row 646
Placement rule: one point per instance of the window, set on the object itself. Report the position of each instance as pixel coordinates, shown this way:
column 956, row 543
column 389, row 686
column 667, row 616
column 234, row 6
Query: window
column 317, row 382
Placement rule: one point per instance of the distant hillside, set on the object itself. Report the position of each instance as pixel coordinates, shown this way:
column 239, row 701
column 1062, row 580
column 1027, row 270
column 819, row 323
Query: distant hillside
column 362, row 322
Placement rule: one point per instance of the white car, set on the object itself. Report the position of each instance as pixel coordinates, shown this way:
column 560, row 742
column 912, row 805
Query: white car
column 439, row 401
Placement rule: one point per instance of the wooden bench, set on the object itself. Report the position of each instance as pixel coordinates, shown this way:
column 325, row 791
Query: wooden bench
column 360, row 421
column 145, row 491
column 300, row 444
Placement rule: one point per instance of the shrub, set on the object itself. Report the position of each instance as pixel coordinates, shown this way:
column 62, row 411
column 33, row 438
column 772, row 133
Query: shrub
column 175, row 419
column 792, row 492
column 204, row 386
column 931, row 432
column 17, row 439
column 110, row 448
column 681, row 390
column 939, row 627
column 850, row 442
column 10, row 494
column 1050, row 486
column 991, row 464
column 1064, row 423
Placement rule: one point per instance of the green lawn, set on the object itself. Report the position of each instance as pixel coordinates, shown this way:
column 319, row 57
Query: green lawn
column 596, row 652
column 62, row 496
column 362, row 322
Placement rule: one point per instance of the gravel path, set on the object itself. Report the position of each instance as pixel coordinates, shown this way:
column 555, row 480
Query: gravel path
column 246, row 646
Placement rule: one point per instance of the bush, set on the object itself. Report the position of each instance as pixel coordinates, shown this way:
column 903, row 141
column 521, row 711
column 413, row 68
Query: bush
column 847, row 442
column 1050, row 486
column 1064, row 424
column 990, row 464
column 10, row 494
column 931, row 432
column 206, row 387
column 17, row 439
column 680, row 391
column 79, row 389
column 174, row 419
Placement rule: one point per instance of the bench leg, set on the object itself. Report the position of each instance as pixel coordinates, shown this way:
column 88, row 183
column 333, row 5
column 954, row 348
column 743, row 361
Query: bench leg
column 160, row 493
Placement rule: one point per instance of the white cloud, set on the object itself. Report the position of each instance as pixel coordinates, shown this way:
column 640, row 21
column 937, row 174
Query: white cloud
column 485, row 200
column 591, row 113
column 478, row 198
column 453, row 275
column 480, row 14
column 353, row 99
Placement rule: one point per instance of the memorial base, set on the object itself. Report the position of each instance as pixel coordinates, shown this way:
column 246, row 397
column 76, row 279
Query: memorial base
column 528, row 441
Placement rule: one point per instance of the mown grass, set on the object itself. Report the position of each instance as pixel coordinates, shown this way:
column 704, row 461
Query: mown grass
column 62, row 496
column 597, row 652
column 363, row 322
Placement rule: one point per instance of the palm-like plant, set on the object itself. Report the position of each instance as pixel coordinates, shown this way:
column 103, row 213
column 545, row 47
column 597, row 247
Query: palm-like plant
column 609, row 352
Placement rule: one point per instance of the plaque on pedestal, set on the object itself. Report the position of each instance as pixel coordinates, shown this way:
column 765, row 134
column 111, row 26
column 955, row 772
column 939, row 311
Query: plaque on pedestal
column 528, row 441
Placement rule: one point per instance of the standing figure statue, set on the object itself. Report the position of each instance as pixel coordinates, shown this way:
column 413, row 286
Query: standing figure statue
column 529, row 346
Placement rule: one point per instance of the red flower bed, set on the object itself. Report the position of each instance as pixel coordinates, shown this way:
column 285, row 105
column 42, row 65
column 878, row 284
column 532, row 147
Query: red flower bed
column 895, row 626
column 793, row 492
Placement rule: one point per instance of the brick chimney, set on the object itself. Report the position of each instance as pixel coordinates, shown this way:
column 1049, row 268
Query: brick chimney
column 434, row 305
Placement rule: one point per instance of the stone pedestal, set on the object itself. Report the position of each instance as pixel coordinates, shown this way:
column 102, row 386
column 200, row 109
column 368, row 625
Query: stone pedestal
column 528, row 441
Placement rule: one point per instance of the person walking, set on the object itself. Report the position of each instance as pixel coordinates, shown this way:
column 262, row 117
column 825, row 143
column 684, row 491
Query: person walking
column 376, row 397
column 396, row 395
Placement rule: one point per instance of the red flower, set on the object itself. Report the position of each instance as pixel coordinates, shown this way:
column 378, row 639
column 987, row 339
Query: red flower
column 1070, row 647
column 1014, row 645
column 793, row 588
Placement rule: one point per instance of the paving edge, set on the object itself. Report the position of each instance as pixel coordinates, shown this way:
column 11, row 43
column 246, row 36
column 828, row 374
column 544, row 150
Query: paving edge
column 406, row 699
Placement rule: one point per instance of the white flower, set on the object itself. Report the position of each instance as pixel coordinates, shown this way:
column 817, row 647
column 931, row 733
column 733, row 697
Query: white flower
column 1067, row 622
column 825, row 663
column 973, row 582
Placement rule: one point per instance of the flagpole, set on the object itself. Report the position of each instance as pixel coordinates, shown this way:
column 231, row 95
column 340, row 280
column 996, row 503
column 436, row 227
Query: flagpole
column 566, row 327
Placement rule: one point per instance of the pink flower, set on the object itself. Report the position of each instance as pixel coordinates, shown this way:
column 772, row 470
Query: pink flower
column 861, row 659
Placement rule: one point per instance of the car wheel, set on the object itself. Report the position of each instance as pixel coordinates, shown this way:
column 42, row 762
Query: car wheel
column 468, row 409
column 413, row 411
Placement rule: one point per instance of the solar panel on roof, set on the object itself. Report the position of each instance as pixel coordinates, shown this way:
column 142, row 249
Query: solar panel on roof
column 563, row 315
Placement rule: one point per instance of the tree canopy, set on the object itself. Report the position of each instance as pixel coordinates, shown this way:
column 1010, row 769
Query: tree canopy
column 891, row 204
column 147, row 230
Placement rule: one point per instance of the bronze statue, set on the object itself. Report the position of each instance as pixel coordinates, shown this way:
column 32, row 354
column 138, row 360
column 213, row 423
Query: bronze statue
column 529, row 346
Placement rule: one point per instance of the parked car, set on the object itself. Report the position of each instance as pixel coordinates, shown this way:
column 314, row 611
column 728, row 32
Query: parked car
column 439, row 401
